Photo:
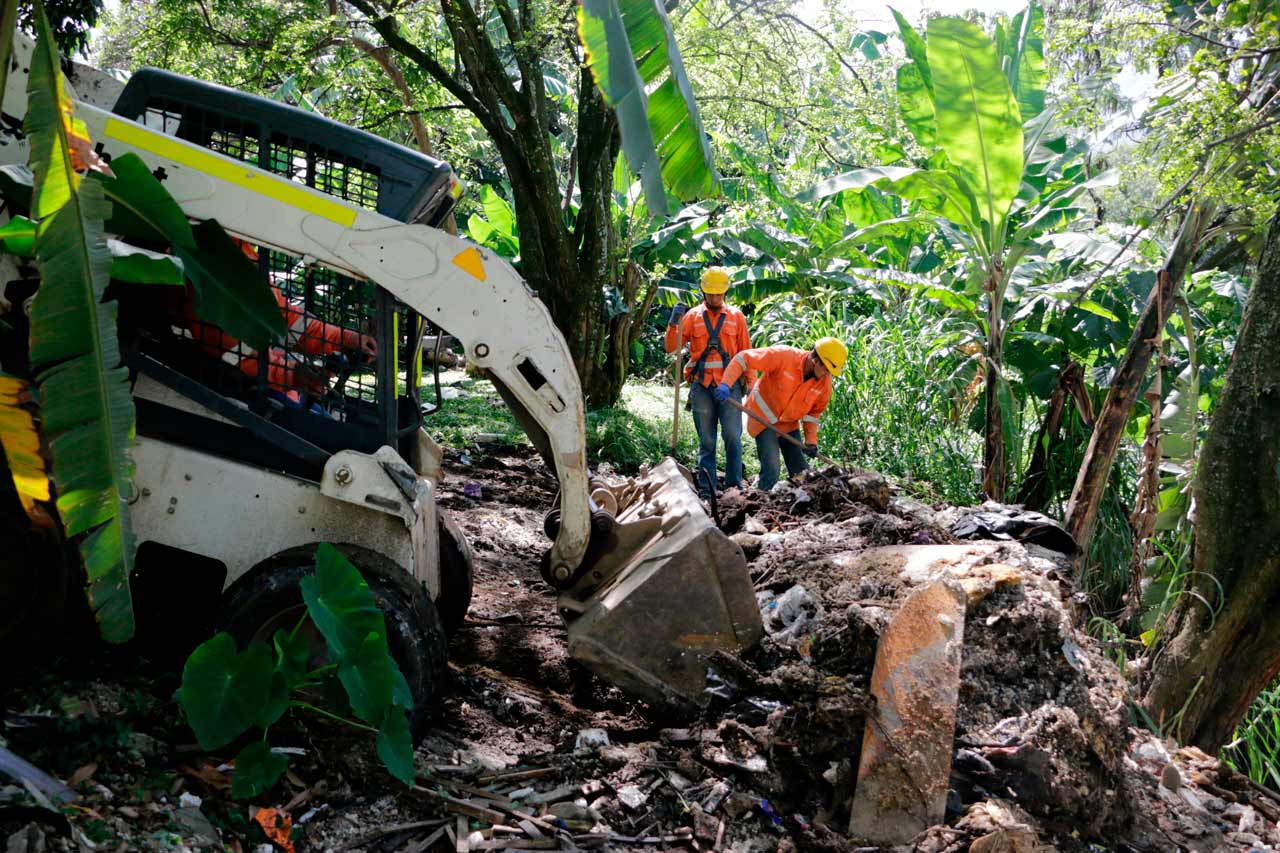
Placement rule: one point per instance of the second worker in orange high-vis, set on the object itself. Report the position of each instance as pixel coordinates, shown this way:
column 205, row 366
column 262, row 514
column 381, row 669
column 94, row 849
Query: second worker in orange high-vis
column 715, row 332
column 791, row 394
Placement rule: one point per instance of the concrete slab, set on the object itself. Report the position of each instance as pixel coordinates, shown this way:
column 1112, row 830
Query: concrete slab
column 905, row 766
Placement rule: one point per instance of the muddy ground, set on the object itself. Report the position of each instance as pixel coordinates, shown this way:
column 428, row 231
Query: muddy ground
column 531, row 751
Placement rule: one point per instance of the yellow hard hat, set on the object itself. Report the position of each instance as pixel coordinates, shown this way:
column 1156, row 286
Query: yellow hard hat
column 715, row 280
column 833, row 354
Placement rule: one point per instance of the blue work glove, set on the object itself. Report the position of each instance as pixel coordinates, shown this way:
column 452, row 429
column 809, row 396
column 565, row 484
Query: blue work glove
column 811, row 450
column 677, row 312
column 721, row 393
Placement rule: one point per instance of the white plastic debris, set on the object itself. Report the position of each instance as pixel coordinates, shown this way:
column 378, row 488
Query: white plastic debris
column 188, row 800
column 632, row 796
column 591, row 739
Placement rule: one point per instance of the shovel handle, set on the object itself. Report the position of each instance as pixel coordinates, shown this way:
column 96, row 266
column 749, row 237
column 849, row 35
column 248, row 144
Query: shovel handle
column 786, row 435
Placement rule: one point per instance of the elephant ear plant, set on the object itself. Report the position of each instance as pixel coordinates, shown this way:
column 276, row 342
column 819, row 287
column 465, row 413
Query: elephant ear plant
column 227, row 692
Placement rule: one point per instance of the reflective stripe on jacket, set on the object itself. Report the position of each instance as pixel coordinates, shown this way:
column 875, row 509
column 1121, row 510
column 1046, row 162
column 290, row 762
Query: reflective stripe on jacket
column 782, row 396
column 734, row 338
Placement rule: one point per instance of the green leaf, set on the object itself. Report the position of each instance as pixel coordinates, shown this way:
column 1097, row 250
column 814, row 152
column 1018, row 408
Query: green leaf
column 938, row 191
column 341, row 604
column 277, row 701
column 369, row 677
column 1094, row 308
column 916, row 50
column 915, row 101
column 293, row 656
column 85, row 401
column 1008, row 404
column 139, row 266
column 1023, row 60
column 18, row 236
column 632, row 53
column 979, row 126
column 395, row 744
column 257, row 769
column 223, row 692
column 230, row 291
column 498, row 212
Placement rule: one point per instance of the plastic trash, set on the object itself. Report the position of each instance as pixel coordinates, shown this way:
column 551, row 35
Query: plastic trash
column 770, row 813
column 789, row 616
column 591, row 739
column 472, row 490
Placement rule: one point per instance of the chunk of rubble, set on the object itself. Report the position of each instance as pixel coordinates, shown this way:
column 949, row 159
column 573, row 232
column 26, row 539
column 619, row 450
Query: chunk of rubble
column 905, row 765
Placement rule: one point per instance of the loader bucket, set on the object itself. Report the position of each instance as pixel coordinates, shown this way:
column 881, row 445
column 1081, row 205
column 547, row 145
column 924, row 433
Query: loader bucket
column 661, row 591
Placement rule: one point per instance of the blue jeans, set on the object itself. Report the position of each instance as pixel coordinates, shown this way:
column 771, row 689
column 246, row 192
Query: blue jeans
column 707, row 413
column 768, row 446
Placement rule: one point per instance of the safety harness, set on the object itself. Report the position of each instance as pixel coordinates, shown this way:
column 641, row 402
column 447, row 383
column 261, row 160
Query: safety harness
column 713, row 342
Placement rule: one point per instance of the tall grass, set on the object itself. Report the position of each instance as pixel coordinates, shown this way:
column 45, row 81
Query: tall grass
column 1256, row 748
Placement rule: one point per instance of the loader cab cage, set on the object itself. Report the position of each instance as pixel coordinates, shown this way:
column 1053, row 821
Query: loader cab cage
column 314, row 393
column 305, row 147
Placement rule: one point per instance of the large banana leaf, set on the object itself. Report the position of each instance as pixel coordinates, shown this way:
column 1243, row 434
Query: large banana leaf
column 915, row 101
column 85, row 402
column 979, row 126
column 1022, row 54
column 939, row 192
column 629, row 48
column 916, row 50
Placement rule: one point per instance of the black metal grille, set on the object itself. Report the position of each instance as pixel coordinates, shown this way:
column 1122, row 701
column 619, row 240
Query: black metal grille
column 322, row 381
column 330, row 172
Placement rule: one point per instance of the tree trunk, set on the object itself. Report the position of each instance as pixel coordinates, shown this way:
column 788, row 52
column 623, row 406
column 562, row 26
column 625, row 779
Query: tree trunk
column 1091, row 482
column 994, row 465
column 1037, row 485
column 570, row 268
column 1209, row 667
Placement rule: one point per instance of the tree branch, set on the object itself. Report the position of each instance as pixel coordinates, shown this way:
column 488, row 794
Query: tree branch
column 386, row 27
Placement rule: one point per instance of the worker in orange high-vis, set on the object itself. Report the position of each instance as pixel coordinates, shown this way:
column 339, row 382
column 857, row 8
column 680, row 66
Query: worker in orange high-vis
column 287, row 373
column 791, row 394
column 715, row 332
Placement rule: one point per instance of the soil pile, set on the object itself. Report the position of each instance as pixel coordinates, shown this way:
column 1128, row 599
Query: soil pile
column 530, row 751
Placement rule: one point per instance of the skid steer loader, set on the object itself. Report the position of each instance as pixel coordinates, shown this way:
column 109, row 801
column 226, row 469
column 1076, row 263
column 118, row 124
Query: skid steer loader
column 239, row 475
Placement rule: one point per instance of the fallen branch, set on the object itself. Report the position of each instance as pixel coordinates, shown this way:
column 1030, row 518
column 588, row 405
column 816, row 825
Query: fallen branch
column 370, row 837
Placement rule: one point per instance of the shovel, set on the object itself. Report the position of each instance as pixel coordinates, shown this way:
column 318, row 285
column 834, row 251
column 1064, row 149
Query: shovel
column 786, row 435
column 675, row 413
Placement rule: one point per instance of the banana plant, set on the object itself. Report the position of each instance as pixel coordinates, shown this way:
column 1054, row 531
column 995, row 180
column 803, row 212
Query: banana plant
column 632, row 53
column 86, row 410
column 997, row 178
column 85, row 422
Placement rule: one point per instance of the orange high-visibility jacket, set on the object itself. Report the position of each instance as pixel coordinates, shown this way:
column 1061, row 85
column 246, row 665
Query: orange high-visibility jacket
column 307, row 335
column 782, row 396
column 734, row 338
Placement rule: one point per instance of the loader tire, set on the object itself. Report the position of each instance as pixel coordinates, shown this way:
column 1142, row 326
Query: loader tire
column 456, row 574
column 271, row 598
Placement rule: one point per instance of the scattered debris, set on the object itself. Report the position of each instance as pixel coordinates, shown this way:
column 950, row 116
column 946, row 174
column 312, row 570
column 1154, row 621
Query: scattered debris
column 530, row 751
